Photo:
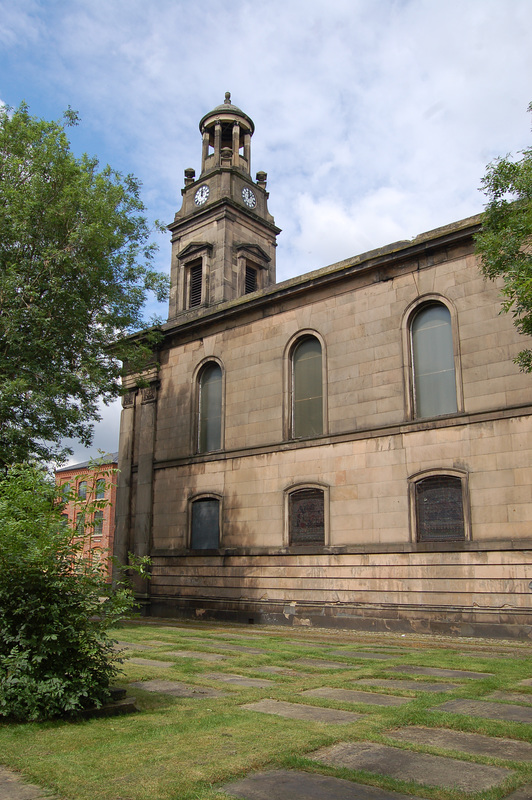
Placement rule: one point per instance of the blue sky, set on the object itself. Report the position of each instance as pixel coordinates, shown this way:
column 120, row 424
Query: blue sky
column 375, row 119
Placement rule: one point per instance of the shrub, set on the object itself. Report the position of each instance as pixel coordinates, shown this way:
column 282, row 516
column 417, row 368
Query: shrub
column 56, row 607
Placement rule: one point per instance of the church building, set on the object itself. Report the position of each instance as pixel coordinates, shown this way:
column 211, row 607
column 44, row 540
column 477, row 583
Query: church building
column 348, row 448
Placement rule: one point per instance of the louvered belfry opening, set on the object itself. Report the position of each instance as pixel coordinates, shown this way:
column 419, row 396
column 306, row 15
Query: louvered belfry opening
column 195, row 284
column 251, row 280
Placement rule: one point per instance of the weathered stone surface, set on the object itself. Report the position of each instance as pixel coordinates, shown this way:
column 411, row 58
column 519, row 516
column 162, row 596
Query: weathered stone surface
column 149, row 662
column 511, row 697
column 441, row 673
column 132, row 646
column 235, row 648
column 194, row 654
column 279, row 671
column 319, row 663
column 523, row 793
column 331, row 716
column 239, row 680
column 474, row 743
column 177, row 689
column 415, row 686
column 12, row 787
column 362, row 654
column 483, row 708
column 405, row 765
column 292, row 785
column 352, row 696
column 526, row 682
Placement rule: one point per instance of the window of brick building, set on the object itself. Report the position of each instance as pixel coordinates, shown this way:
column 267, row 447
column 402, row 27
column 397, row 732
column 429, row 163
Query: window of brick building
column 98, row 523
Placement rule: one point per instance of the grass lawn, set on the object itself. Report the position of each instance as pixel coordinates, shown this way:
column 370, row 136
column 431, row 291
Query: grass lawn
column 185, row 749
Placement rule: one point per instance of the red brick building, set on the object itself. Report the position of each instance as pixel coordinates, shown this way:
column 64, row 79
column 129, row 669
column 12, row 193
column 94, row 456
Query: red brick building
column 92, row 483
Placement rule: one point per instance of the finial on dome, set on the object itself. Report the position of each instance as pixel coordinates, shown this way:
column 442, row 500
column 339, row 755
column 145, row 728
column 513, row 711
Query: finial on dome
column 228, row 98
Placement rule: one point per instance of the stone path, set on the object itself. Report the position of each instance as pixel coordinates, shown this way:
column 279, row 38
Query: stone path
column 360, row 654
column 12, row 787
column 473, row 743
column 292, row 785
column 352, row 696
column 201, row 656
column 319, row 663
column 414, row 686
column 441, row 673
column 177, row 689
column 330, row 716
column 406, row 765
column 483, row 708
column 238, row 680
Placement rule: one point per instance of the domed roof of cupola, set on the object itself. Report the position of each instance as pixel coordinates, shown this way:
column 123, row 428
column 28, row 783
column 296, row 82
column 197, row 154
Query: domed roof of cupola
column 226, row 112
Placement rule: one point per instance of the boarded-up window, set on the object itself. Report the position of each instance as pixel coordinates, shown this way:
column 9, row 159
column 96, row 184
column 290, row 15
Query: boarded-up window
column 307, row 389
column 205, row 530
column 439, row 509
column 195, row 284
column 307, row 517
column 210, row 409
column 433, row 362
column 251, row 280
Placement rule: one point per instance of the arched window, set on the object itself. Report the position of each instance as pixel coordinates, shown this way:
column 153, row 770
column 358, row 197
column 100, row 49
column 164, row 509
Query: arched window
column 205, row 524
column 82, row 490
column 434, row 380
column 307, row 388
column 100, row 489
column 439, row 508
column 210, row 408
column 306, row 516
column 98, row 523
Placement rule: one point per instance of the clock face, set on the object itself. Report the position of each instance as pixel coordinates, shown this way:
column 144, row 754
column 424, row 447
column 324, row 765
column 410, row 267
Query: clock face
column 248, row 197
column 202, row 195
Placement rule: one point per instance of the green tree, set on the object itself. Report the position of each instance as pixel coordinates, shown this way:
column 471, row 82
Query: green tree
column 75, row 271
column 505, row 240
column 56, row 605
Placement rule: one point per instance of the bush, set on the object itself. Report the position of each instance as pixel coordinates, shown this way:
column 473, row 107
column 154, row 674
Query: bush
column 56, row 656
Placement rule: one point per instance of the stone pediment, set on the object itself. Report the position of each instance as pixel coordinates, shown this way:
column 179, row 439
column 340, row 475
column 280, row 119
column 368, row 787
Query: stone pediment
column 254, row 251
column 194, row 248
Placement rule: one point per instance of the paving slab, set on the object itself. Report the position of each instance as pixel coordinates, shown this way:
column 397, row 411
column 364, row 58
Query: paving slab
column 476, row 744
column 406, row 765
column 483, row 708
column 177, row 689
column 291, row 785
column 352, row 696
column 523, row 793
column 414, row 686
column 194, row 654
column 239, row 680
column 526, row 682
column 281, row 671
column 410, row 669
column 149, row 662
column 12, row 787
column 280, row 708
column 511, row 697
column 133, row 646
column 360, row 654
column 234, row 648
column 320, row 663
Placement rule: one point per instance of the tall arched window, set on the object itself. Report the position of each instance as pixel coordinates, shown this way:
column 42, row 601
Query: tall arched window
column 433, row 361
column 205, row 524
column 307, row 388
column 210, row 408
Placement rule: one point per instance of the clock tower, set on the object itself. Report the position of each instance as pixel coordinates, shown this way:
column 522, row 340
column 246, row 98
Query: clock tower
column 223, row 237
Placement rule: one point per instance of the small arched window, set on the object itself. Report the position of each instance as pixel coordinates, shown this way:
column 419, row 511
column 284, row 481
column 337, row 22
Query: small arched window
column 100, row 489
column 306, row 516
column 98, row 523
column 205, row 524
column 434, row 379
column 439, row 508
column 307, row 388
column 210, row 408
column 82, row 490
